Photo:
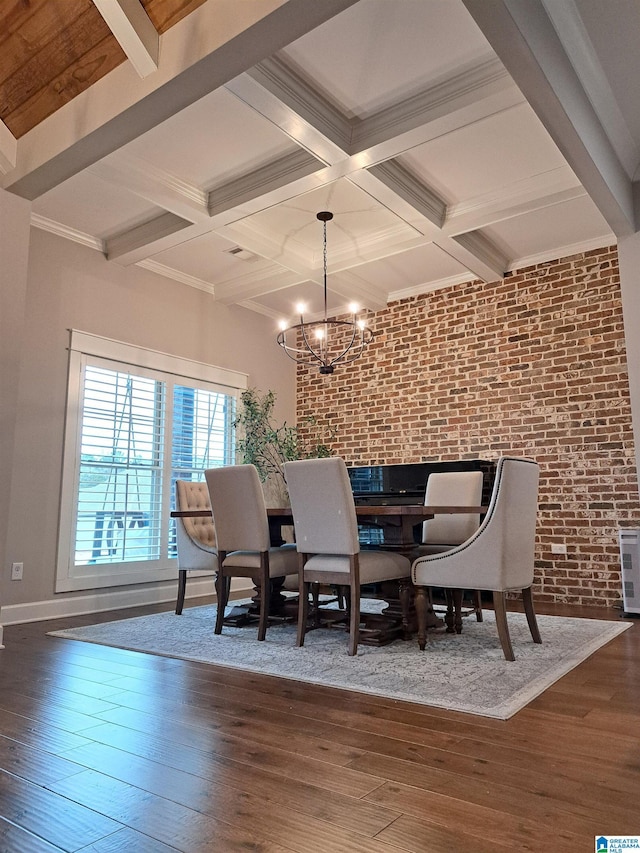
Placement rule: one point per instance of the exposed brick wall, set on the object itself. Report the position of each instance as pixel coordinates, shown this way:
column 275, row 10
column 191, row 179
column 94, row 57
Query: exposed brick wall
column 534, row 365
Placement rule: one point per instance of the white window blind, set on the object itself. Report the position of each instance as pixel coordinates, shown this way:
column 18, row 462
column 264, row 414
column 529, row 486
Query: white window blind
column 131, row 432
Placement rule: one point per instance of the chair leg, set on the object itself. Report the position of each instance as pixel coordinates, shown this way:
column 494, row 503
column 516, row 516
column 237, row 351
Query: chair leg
column 527, row 599
column 477, row 604
column 315, row 600
column 265, row 594
column 222, row 596
column 182, row 588
column 354, row 620
column 499, row 606
column 457, row 610
column 404, row 594
column 421, row 613
column 303, row 602
column 448, row 617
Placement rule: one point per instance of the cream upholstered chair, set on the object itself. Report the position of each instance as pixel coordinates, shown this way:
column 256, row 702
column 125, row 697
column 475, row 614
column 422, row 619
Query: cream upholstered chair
column 242, row 530
column 195, row 537
column 326, row 529
column 498, row 556
column 445, row 531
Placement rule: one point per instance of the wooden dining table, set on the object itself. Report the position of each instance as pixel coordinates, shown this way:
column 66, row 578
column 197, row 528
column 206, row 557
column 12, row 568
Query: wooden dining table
column 398, row 522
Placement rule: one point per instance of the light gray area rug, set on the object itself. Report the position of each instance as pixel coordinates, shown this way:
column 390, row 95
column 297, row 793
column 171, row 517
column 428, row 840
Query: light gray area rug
column 461, row 673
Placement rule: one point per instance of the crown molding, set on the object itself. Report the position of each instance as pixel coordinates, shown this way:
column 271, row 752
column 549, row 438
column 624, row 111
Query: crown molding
column 274, row 175
column 176, row 275
column 402, row 182
column 68, row 233
column 250, row 305
column 561, row 252
column 429, row 287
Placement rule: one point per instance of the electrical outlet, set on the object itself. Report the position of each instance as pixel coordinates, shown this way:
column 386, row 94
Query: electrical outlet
column 16, row 571
column 559, row 548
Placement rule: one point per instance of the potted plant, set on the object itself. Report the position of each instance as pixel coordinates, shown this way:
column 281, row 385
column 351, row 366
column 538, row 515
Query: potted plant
column 268, row 446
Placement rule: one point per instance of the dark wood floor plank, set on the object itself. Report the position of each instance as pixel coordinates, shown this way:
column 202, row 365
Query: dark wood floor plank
column 49, row 713
column 492, row 824
column 62, row 822
column 38, row 735
column 13, row 839
column 127, row 841
column 32, row 764
column 417, row 836
column 557, row 805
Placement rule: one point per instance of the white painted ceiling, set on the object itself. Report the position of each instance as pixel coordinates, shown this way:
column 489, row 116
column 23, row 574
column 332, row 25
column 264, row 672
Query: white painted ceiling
column 440, row 163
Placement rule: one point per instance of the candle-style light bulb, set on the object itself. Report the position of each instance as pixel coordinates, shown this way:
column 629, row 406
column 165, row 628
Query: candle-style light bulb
column 283, row 325
column 320, row 333
column 354, row 308
column 361, row 325
column 300, row 308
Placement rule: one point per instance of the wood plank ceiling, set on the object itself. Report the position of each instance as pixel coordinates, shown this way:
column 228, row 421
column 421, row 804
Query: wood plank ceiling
column 52, row 50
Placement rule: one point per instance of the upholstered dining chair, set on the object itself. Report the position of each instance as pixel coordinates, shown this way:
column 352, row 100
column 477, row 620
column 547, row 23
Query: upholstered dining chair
column 498, row 557
column 443, row 532
column 326, row 529
column 242, row 531
column 195, row 537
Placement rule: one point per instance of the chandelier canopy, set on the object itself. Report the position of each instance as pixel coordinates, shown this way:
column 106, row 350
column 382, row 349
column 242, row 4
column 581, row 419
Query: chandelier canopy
column 325, row 342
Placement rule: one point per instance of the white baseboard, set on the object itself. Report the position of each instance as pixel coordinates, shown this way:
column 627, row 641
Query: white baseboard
column 98, row 601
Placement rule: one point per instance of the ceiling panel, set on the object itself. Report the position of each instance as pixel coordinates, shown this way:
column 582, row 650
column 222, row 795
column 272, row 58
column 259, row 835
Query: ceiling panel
column 576, row 223
column 378, row 52
column 91, row 206
column 212, row 141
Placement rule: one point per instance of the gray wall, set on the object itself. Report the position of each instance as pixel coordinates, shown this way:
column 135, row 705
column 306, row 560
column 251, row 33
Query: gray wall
column 69, row 286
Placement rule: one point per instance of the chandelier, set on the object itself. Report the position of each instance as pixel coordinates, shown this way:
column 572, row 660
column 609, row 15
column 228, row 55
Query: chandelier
column 324, row 342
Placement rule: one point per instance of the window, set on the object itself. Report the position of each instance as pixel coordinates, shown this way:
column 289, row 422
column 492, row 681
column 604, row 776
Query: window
column 132, row 430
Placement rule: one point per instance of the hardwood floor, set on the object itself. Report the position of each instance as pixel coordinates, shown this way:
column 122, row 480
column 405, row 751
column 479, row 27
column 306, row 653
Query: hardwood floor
column 110, row 751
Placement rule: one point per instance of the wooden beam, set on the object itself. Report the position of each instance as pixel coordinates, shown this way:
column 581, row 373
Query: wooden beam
column 134, row 32
column 8, row 149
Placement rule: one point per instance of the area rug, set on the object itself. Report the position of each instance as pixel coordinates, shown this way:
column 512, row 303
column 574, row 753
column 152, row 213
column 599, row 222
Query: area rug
column 465, row 672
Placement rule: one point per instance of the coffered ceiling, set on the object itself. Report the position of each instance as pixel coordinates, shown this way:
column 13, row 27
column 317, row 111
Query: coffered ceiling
column 199, row 138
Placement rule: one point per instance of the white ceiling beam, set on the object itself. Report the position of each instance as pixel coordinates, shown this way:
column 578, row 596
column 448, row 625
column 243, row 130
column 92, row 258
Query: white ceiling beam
column 526, row 40
column 131, row 174
column 151, row 235
column 477, row 254
column 8, row 149
column 134, row 32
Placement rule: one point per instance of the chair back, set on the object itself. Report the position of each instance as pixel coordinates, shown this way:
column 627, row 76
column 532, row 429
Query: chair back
column 504, row 544
column 239, row 512
column 452, row 488
column 324, row 514
column 190, row 495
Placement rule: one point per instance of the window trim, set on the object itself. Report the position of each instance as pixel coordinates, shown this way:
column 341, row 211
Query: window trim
column 68, row 576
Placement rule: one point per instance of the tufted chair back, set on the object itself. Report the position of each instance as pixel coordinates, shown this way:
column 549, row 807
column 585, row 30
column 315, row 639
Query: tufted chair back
column 196, row 496
column 195, row 537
